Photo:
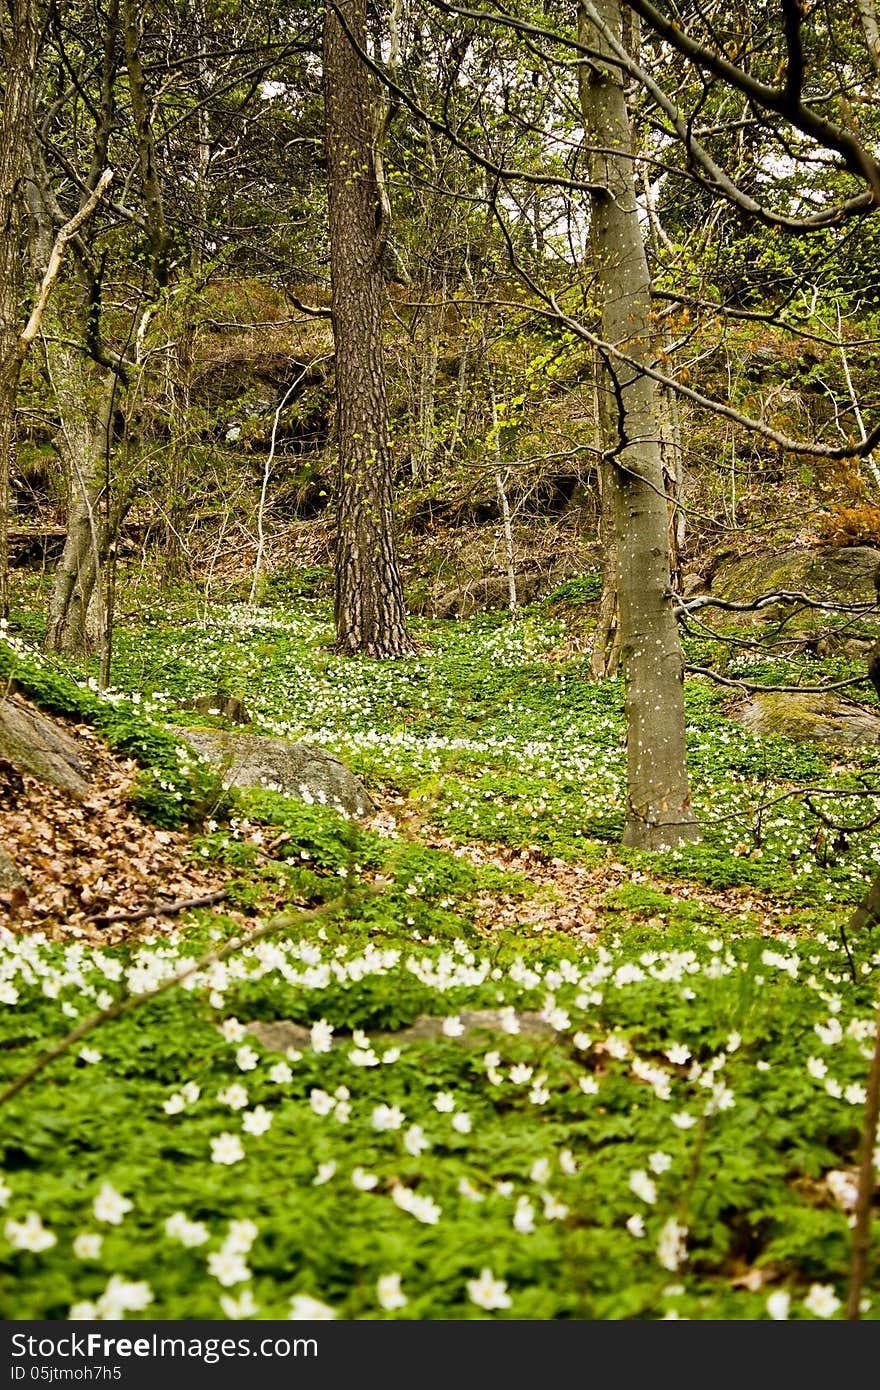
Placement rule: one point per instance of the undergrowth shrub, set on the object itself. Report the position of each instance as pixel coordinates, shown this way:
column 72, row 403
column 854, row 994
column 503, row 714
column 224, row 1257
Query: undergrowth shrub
column 857, row 525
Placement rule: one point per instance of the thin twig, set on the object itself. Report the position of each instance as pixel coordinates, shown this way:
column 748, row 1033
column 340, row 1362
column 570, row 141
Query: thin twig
column 69, row 230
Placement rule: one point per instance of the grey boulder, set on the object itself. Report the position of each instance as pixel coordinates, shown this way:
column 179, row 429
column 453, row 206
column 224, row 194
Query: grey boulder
column 297, row 770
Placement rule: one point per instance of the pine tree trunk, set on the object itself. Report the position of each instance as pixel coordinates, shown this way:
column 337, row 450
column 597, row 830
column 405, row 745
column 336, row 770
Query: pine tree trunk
column 19, row 61
column 658, row 800
column 370, row 613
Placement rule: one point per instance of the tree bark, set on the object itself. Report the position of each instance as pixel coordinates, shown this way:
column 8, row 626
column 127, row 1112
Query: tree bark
column 77, row 620
column 84, row 391
column 658, row 800
column 605, row 650
column 369, row 610
column 871, row 30
column 19, row 57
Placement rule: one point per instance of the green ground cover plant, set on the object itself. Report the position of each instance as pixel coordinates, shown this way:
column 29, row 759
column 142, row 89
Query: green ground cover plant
column 657, row 1119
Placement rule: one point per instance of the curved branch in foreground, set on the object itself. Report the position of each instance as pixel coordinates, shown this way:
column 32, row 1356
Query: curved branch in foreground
column 133, row 1001
column 692, row 605
column 781, row 101
column 704, row 167
column 751, row 688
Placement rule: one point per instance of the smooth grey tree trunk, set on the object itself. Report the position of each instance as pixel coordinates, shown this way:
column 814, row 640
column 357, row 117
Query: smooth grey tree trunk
column 605, row 651
column 658, row 799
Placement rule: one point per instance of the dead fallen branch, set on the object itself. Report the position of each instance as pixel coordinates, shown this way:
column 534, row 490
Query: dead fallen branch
column 109, row 919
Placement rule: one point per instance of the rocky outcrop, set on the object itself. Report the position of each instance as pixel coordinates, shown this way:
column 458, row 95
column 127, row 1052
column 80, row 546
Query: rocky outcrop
column 35, row 745
column 836, row 574
column 824, row 718
column 297, row 770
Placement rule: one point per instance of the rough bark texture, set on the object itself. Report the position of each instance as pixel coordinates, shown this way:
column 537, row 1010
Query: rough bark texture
column 18, row 59
column 658, row 800
column 370, row 613
column 867, row 914
column 77, row 609
column 605, row 652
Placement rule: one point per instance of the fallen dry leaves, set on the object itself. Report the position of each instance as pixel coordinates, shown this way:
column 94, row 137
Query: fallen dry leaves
column 85, row 860
column 569, row 897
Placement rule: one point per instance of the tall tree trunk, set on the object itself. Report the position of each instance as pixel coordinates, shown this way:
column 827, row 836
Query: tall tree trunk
column 179, row 376
column 605, row 651
column 870, row 28
column 430, row 346
column 658, row 800
column 370, row 613
column 18, row 34
column 84, row 392
column 77, row 624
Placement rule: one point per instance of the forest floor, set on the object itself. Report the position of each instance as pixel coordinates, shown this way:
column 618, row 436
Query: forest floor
column 212, row 1007
column 98, row 872
column 88, row 863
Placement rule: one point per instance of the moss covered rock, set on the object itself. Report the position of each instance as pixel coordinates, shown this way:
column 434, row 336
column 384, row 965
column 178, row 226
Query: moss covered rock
column 294, row 769
column 824, row 717
column 36, row 745
column 842, row 574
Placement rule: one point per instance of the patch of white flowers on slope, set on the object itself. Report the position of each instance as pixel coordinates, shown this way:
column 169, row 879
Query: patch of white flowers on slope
column 565, row 997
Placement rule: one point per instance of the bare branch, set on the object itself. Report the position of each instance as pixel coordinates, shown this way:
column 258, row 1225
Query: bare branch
column 169, row 909
column 777, row 100
column 67, row 232
column 751, row 688
column 792, row 15
column 497, row 171
column 691, row 605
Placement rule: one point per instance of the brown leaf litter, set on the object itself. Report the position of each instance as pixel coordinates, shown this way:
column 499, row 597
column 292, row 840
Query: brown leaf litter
column 84, row 861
